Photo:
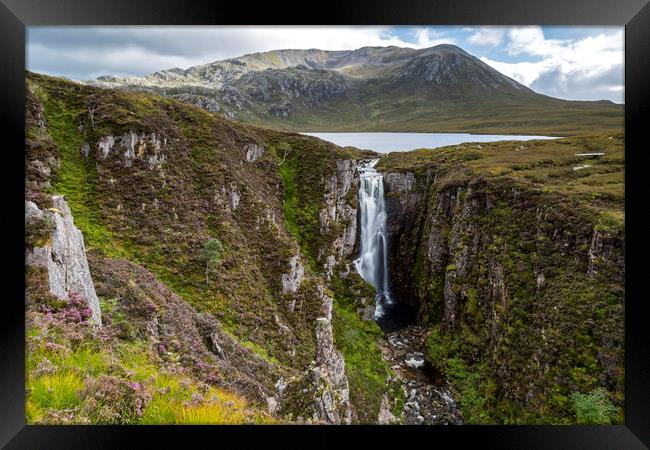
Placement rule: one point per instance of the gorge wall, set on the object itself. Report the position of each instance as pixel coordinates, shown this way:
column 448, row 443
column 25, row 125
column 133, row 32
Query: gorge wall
column 522, row 289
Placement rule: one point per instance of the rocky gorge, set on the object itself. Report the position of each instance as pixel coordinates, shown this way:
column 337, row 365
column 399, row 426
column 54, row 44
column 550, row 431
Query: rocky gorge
column 513, row 270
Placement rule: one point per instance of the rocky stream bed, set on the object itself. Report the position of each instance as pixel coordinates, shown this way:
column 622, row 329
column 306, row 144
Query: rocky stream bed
column 429, row 399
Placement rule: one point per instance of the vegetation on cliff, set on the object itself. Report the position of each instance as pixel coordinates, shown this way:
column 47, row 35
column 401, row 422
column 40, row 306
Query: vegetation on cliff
column 518, row 260
column 150, row 180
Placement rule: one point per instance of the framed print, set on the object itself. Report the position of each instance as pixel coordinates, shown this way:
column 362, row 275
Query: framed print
column 406, row 221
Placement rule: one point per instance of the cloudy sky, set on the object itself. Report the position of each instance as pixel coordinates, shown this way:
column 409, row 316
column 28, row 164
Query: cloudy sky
column 578, row 63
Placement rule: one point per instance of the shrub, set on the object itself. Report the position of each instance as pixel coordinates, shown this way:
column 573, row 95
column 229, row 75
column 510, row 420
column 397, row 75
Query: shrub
column 77, row 309
column 111, row 400
column 436, row 347
column 594, row 408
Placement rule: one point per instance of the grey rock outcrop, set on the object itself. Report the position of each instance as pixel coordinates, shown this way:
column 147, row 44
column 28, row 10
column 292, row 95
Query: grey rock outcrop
column 385, row 417
column 64, row 256
column 291, row 281
column 340, row 213
column 399, row 182
column 254, row 152
column 132, row 146
column 333, row 396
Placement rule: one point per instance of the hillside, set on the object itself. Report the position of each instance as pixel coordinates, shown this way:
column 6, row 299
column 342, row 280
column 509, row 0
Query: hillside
column 438, row 89
column 208, row 277
column 149, row 181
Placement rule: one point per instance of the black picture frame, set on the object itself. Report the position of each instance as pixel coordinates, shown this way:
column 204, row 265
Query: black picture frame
column 15, row 15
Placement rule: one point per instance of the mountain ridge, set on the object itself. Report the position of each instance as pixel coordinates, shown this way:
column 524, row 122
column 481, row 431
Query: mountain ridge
column 436, row 89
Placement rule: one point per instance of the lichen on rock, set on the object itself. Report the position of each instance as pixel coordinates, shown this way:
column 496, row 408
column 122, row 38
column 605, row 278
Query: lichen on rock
column 63, row 255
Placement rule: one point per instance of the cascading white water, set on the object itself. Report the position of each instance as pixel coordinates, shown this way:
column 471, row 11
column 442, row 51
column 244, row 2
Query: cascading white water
column 372, row 263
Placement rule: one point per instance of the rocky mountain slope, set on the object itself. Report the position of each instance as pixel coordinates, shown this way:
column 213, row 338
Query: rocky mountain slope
column 441, row 88
column 148, row 182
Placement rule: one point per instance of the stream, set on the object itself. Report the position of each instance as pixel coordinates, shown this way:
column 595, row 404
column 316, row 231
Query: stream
column 428, row 397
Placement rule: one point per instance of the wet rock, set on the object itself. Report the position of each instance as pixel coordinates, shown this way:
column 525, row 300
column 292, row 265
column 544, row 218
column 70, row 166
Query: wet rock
column 427, row 400
column 414, row 360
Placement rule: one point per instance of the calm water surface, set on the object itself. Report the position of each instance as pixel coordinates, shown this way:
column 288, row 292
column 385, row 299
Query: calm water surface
column 400, row 142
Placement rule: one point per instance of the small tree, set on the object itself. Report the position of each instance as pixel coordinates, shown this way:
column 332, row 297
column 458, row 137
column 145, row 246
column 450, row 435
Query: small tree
column 212, row 250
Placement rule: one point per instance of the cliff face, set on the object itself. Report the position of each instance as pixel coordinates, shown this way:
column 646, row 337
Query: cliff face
column 404, row 206
column 513, row 254
column 505, row 275
column 149, row 182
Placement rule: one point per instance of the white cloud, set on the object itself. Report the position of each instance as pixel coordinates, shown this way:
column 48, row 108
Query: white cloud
column 426, row 37
column 590, row 68
column 523, row 72
column 486, row 36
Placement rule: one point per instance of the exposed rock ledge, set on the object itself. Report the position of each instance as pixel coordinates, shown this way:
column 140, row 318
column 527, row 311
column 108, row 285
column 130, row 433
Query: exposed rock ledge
column 291, row 281
column 333, row 400
column 63, row 256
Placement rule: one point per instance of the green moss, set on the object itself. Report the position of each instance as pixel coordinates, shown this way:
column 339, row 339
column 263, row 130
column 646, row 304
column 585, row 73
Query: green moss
column 365, row 368
column 286, row 170
column 260, row 351
column 76, row 177
column 358, row 340
column 472, row 303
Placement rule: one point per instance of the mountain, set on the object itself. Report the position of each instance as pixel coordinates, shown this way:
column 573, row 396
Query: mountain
column 442, row 88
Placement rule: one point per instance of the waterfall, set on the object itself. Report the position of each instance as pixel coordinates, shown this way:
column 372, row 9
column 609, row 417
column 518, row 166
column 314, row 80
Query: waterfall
column 372, row 263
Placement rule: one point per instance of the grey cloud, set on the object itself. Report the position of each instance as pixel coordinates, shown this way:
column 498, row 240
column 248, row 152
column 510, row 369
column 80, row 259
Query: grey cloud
column 179, row 41
column 82, row 52
column 580, row 85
